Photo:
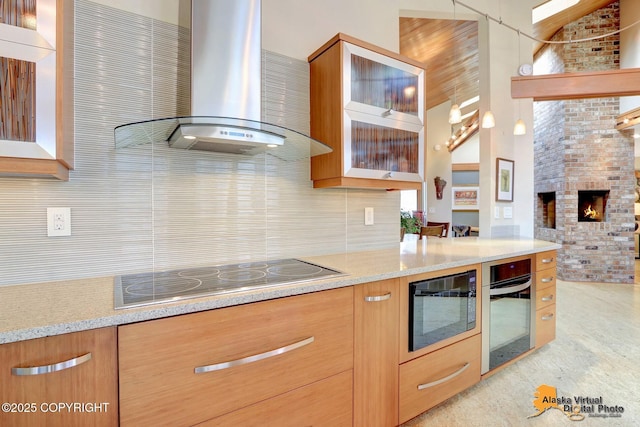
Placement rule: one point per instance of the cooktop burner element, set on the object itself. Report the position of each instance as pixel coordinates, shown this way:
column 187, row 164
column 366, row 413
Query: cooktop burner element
column 135, row 290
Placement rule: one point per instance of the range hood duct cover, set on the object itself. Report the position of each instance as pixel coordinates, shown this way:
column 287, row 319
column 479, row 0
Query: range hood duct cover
column 226, row 88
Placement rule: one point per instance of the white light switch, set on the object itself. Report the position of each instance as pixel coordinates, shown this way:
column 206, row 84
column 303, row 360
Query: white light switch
column 496, row 212
column 368, row 216
column 432, row 209
column 508, row 212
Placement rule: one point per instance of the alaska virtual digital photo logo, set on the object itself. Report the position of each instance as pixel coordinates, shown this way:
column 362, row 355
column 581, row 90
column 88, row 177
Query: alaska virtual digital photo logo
column 576, row 408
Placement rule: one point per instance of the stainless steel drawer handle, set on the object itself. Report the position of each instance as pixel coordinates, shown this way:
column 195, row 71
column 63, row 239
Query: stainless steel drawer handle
column 445, row 379
column 547, row 317
column 547, row 298
column 547, row 279
column 254, row 358
column 378, row 298
column 60, row 366
column 547, row 260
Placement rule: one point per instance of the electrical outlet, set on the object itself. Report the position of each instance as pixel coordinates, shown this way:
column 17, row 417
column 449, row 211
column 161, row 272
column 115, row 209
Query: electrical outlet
column 368, row 216
column 432, row 209
column 58, row 222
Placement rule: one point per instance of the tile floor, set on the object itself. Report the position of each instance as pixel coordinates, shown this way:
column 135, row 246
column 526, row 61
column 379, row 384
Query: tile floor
column 596, row 353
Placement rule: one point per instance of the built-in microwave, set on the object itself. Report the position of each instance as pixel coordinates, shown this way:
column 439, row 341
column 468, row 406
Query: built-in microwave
column 440, row 308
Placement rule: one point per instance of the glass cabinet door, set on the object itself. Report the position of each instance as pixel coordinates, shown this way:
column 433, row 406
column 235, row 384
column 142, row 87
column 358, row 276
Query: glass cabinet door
column 383, row 104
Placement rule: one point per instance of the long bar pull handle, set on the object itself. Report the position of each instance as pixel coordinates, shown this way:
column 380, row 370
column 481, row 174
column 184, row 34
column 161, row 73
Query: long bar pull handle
column 445, row 379
column 377, row 298
column 547, row 279
column 547, row 298
column 547, row 260
column 254, row 358
column 510, row 289
column 60, row 366
column 547, row 317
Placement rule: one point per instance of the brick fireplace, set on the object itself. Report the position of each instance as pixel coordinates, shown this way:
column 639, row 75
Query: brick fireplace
column 583, row 164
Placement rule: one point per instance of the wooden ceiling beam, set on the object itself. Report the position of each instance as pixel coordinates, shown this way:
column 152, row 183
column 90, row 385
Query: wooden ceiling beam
column 593, row 84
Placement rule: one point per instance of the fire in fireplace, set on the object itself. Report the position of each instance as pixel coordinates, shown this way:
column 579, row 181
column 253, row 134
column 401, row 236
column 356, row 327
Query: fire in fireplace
column 592, row 205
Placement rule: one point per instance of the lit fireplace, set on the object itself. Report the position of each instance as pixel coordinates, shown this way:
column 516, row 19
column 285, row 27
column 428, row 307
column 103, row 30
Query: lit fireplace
column 592, row 205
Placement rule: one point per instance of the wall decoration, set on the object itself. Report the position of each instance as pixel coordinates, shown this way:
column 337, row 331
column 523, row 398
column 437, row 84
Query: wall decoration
column 504, row 180
column 440, row 184
column 465, row 198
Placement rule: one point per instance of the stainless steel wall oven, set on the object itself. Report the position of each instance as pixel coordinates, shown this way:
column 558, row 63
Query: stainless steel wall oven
column 440, row 308
column 508, row 312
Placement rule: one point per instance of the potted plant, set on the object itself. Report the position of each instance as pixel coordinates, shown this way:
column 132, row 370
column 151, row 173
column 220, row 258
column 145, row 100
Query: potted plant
column 408, row 224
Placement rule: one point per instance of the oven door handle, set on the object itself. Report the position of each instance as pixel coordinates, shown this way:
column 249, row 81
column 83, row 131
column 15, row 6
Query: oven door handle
column 510, row 289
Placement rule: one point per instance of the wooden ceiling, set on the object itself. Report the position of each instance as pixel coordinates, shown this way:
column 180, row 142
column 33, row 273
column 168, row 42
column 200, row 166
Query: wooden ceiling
column 449, row 49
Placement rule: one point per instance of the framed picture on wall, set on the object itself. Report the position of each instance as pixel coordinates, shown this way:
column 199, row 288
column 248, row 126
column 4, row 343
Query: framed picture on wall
column 466, row 198
column 504, row 180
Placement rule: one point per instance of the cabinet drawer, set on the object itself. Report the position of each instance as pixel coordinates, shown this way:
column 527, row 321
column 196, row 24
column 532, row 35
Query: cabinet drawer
column 89, row 377
column 435, row 377
column 545, row 297
column 545, row 260
column 545, row 325
column 323, row 403
column 545, row 278
column 158, row 359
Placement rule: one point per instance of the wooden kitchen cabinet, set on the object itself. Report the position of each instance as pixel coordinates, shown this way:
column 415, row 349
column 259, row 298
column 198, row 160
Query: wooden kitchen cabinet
column 367, row 104
column 64, row 380
column 197, row 367
column 36, row 130
column 376, row 311
column 435, row 377
column 545, row 297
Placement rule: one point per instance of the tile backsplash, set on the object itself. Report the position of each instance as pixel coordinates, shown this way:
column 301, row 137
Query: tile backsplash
column 150, row 207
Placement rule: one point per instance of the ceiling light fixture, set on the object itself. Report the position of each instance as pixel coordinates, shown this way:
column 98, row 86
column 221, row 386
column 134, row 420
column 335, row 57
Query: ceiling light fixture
column 488, row 121
column 455, row 115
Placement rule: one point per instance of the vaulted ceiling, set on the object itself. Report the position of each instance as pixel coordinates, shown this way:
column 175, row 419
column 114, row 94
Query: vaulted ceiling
column 449, row 49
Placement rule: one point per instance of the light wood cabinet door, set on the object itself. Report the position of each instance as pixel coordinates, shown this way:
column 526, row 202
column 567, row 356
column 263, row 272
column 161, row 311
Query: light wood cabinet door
column 376, row 317
column 65, row 380
column 545, row 325
column 188, row 369
column 367, row 104
column 431, row 379
column 325, row 403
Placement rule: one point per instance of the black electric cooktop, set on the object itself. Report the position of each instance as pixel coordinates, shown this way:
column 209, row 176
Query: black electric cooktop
column 135, row 290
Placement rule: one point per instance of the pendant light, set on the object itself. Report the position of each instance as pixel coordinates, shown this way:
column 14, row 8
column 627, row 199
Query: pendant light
column 455, row 115
column 520, row 128
column 488, row 121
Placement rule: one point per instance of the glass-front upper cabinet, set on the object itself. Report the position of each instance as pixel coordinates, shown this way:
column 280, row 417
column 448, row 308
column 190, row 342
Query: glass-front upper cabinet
column 378, row 133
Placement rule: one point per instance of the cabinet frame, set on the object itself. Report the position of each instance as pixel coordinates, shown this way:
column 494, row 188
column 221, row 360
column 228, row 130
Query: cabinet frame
column 332, row 112
column 51, row 47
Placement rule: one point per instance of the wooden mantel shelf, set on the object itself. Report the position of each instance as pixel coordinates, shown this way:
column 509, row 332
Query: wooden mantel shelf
column 596, row 84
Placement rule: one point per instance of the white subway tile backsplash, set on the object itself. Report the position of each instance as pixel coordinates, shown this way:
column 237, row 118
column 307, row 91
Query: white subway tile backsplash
column 151, row 207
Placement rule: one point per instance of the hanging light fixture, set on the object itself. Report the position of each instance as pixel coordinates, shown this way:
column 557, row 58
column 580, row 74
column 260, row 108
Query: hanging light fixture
column 520, row 128
column 455, row 115
column 488, row 121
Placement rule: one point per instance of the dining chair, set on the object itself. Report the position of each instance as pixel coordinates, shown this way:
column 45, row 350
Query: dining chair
column 431, row 230
column 445, row 227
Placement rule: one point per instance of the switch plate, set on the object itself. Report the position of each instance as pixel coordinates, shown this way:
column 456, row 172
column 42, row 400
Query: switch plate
column 496, row 212
column 432, row 210
column 508, row 212
column 58, row 222
column 368, row 216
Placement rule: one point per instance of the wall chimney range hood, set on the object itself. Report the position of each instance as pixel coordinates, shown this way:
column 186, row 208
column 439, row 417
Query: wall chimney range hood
column 226, row 86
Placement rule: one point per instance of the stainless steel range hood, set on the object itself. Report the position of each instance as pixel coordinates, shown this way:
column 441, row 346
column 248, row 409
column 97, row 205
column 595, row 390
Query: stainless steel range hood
column 226, row 87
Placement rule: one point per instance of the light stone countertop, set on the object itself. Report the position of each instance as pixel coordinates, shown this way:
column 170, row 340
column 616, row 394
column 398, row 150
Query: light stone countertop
column 43, row 309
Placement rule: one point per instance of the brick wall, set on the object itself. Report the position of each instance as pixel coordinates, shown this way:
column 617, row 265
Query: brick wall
column 576, row 147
